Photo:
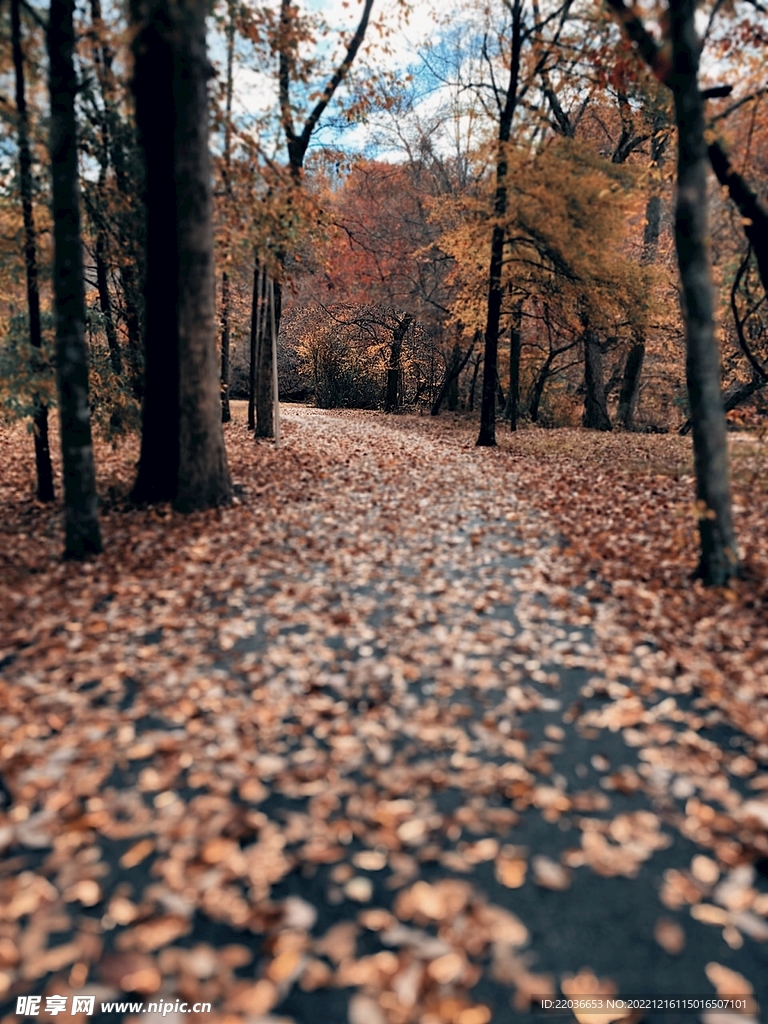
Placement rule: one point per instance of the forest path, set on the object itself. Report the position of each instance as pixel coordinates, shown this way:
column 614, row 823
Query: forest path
column 354, row 749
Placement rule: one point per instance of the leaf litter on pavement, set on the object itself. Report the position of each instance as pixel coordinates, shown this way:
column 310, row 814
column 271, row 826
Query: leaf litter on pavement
column 299, row 746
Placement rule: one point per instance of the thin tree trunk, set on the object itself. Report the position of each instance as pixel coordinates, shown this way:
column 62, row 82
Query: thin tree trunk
column 45, row 491
column 595, row 408
column 265, row 411
column 450, row 385
column 113, row 152
column 538, row 388
column 253, row 347
column 392, row 395
column 80, row 518
column 630, row 385
column 473, row 385
column 450, row 388
column 487, row 436
column 105, row 302
column 719, row 558
column 170, row 78
column 226, row 414
column 515, row 339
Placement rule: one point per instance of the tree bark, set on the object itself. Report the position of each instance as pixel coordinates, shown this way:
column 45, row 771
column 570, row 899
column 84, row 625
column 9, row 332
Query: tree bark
column 226, row 414
column 265, row 410
column 538, row 388
column 392, row 392
column 630, row 385
column 753, row 213
column 105, row 303
column 719, row 559
column 183, row 456
column 515, row 340
column 253, row 348
column 487, row 436
column 450, row 386
column 113, row 130
column 595, row 408
column 45, row 490
column 473, row 384
column 82, row 536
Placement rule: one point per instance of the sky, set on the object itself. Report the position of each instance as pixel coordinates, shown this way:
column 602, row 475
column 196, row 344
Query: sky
column 255, row 91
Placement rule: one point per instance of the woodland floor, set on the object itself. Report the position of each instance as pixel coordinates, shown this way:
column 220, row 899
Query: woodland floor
column 409, row 733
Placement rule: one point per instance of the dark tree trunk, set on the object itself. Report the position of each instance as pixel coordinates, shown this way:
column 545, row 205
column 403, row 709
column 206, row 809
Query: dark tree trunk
column 253, row 348
column 473, row 384
column 265, row 407
column 734, row 398
column 226, row 414
column 392, row 392
column 81, row 523
column 451, row 384
column 595, row 409
column 105, row 303
column 43, row 465
column 719, row 559
column 754, row 214
column 515, row 339
column 153, row 84
column 538, row 388
column 183, row 456
column 487, row 436
column 630, row 385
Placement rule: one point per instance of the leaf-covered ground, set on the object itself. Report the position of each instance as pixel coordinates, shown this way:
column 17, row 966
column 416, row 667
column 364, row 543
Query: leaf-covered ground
column 409, row 733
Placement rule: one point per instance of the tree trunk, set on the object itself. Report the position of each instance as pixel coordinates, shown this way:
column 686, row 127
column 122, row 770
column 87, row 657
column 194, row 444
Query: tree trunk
column 719, row 559
column 754, row 214
column 473, row 385
column 226, row 414
column 734, row 398
column 515, row 339
column 189, row 466
column 113, row 151
column 392, row 395
column 595, row 408
column 81, row 523
column 630, row 385
column 253, row 348
column 43, row 465
column 487, row 436
column 265, row 408
column 538, row 389
column 451, row 385
column 105, row 302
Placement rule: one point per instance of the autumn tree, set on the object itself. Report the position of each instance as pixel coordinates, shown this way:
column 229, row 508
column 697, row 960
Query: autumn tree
column 679, row 69
column 182, row 453
column 82, row 536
